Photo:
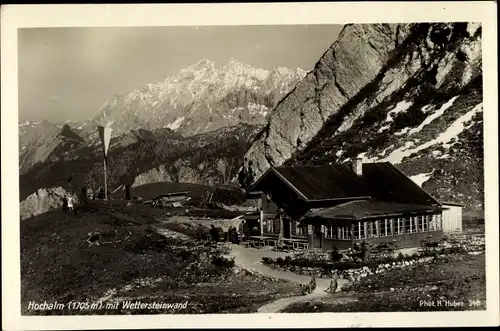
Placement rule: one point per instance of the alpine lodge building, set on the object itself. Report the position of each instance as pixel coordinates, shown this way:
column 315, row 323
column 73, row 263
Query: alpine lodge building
column 340, row 204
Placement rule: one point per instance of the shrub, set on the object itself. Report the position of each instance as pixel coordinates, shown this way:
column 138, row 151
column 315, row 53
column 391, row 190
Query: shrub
column 222, row 262
column 267, row 260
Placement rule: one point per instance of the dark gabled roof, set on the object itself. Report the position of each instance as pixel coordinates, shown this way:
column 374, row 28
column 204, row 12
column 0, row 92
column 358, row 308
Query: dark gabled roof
column 387, row 183
column 324, row 182
column 380, row 181
column 367, row 209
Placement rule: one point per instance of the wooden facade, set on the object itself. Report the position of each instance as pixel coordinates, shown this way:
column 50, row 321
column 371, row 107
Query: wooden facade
column 273, row 221
column 452, row 218
column 333, row 205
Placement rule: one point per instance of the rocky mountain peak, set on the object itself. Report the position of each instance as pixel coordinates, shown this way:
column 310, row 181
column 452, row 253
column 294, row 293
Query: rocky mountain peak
column 203, row 97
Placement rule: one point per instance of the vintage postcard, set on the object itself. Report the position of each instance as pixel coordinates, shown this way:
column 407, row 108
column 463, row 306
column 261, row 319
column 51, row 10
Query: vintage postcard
column 249, row 165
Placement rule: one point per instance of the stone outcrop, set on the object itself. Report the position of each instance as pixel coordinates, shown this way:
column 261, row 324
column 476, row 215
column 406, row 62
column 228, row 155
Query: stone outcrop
column 409, row 94
column 41, row 201
column 352, row 62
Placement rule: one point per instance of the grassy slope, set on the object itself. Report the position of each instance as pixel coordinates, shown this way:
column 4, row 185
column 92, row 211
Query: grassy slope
column 453, row 278
column 59, row 263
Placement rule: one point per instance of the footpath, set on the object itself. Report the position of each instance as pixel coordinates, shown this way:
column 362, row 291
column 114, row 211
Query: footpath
column 250, row 259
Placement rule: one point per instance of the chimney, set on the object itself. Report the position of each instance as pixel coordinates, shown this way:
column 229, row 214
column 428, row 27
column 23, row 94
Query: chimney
column 357, row 166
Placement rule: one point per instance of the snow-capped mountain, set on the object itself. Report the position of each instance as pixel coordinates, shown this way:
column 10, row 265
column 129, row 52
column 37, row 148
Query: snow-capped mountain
column 201, row 98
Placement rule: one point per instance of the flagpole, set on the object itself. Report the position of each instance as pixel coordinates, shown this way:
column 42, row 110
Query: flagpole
column 105, row 181
column 105, row 135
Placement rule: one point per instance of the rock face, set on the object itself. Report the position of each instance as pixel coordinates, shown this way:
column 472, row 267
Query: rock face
column 151, row 156
column 42, row 201
column 43, row 141
column 202, row 98
column 347, row 66
column 410, row 94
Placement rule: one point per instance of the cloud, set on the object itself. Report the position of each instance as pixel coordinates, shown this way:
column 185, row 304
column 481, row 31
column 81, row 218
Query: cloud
column 55, row 98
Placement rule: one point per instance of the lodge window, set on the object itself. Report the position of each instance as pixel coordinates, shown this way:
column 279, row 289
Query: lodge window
column 343, row 232
column 385, row 227
column 358, row 230
column 275, row 226
column 411, row 225
column 329, row 232
column 423, row 223
column 372, row 229
column 299, row 230
column 268, row 225
column 400, row 225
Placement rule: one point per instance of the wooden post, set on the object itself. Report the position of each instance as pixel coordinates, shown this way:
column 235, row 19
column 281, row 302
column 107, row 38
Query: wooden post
column 261, row 223
column 105, row 181
column 281, row 227
column 310, row 235
column 322, row 239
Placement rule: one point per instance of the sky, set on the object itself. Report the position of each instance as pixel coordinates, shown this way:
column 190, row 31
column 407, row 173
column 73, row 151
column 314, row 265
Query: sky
column 68, row 73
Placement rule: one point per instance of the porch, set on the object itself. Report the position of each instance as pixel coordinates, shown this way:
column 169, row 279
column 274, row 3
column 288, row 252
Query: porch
column 398, row 232
column 278, row 231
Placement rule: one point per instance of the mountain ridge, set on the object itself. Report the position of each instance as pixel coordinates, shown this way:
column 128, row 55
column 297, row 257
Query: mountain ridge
column 202, row 97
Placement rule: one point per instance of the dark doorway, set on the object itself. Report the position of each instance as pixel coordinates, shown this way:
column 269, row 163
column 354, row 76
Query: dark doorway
column 317, row 236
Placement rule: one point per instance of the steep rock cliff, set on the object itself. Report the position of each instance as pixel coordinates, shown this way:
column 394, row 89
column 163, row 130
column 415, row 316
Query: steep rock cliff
column 410, row 94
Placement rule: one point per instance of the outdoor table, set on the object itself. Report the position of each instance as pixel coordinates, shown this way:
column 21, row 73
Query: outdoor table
column 259, row 239
column 296, row 242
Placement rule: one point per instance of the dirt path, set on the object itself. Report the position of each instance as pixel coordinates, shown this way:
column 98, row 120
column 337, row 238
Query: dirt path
column 250, row 258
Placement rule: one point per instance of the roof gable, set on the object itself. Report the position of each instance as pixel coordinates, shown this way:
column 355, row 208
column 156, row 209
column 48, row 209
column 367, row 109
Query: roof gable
column 387, row 183
column 380, row 181
column 325, row 182
column 367, row 209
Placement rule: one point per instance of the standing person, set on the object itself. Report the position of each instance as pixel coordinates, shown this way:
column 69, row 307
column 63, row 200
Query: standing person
column 64, row 203
column 100, row 195
column 84, row 196
column 200, row 233
column 214, row 234
column 335, row 254
column 70, row 202
column 364, row 251
column 127, row 192
column 246, row 231
column 240, row 230
column 234, row 237
column 333, row 283
column 229, row 236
